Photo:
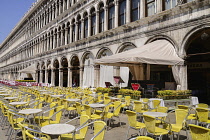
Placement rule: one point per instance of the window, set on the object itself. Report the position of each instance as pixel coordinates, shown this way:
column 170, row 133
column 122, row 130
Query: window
column 168, row 4
column 135, row 10
column 111, row 15
column 93, row 22
column 79, row 28
column 150, row 7
column 101, row 18
column 85, row 26
column 73, row 31
column 122, row 12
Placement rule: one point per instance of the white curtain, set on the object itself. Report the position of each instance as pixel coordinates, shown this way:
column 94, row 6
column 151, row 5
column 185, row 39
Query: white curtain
column 180, row 76
column 88, row 76
column 124, row 74
column 106, row 75
column 136, row 72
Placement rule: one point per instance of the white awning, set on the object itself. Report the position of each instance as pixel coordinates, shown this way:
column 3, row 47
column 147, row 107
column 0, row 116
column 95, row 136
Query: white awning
column 159, row 52
column 30, row 69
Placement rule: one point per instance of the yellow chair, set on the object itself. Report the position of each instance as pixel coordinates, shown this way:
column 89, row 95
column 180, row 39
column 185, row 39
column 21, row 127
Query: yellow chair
column 133, row 123
column 143, row 138
column 139, row 107
column 163, row 110
column 115, row 113
column 82, row 130
column 199, row 132
column 156, row 104
column 181, row 116
column 202, row 114
column 68, row 107
column 57, row 114
column 203, row 105
column 99, row 130
column 36, row 135
column 190, row 116
column 88, row 112
column 150, row 123
column 126, row 103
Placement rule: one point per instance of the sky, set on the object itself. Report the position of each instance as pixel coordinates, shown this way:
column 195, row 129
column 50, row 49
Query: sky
column 11, row 11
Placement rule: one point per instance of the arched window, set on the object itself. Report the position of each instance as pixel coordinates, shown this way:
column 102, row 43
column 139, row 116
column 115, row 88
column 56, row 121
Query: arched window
column 101, row 17
column 85, row 25
column 122, row 12
column 150, row 7
column 79, row 27
column 93, row 21
column 168, row 4
column 73, row 30
column 111, row 14
column 135, row 10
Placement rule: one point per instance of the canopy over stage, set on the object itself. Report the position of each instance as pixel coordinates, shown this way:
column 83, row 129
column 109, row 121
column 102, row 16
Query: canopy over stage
column 159, row 52
column 30, row 69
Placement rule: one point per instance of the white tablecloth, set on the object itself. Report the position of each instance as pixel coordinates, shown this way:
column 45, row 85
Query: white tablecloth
column 194, row 100
column 151, row 104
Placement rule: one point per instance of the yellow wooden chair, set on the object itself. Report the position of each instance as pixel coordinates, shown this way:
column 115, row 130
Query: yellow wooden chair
column 199, row 132
column 133, row 123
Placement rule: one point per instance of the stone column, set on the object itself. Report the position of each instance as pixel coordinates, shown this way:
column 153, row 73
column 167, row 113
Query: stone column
column 159, row 6
column 53, row 12
column 82, row 28
column 97, row 22
column 62, row 37
column 70, row 34
column 142, row 9
column 89, row 25
column 60, row 7
column 128, row 11
column 56, row 9
column 41, row 76
column 116, row 13
column 53, row 77
column 46, row 75
column 97, row 75
column 81, row 71
column 54, row 41
column 76, row 31
column 64, row 5
column 105, row 18
column 69, row 76
column 66, row 36
column 60, row 77
column 116, row 70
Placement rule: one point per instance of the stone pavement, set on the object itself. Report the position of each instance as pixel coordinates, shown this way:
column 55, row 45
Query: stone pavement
column 115, row 132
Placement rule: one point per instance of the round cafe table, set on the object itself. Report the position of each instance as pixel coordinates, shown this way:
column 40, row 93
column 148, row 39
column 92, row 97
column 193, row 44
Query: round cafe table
column 10, row 98
column 4, row 94
column 57, row 95
column 73, row 100
column 30, row 111
column 155, row 114
column 58, row 129
column 18, row 103
column 96, row 105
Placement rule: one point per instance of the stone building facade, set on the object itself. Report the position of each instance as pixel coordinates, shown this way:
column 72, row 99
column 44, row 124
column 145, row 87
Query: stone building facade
column 60, row 37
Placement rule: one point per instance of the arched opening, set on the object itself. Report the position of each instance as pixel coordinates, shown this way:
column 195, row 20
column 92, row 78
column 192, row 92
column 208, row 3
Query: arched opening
column 49, row 71
column 75, row 71
column 198, row 63
column 64, row 63
column 56, row 66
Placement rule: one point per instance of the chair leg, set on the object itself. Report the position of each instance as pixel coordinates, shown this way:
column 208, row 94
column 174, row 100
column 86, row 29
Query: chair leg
column 127, row 132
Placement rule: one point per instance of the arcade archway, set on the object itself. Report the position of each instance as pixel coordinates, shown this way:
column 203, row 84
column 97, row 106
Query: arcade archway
column 198, row 63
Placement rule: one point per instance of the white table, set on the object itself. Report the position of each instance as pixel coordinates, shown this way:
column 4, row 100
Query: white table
column 73, row 100
column 150, row 103
column 30, row 111
column 57, row 95
column 18, row 103
column 96, row 105
column 114, row 98
column 194, row 100
column 10, row 98
column 155, row 114
column 58, row 129
column 4, row 94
